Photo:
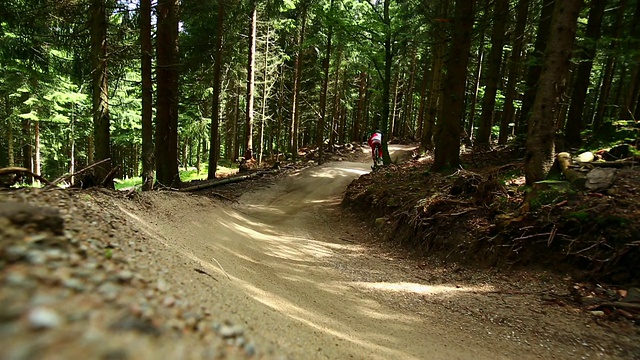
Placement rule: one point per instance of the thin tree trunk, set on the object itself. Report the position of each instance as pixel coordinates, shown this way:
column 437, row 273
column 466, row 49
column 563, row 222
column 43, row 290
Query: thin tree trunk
column 501, row 11
column 248, row 154
column 297, row 74
column 534, row 71
column 358, row 122
column 323, row 91
column 522, row 9
column 540, row 138
column 436, row 91
column 408, row 98
column 147, row 95
column 423, row 95
column 581, row 83
column 610, row 67
column 36, row 133
column 631, row 86
column 393, row 130
column 447, row 152
column 336, row 101
column 265, row 93
column 214, row 147
column 9, row 126
column 476, row 89
column 279, row 135
column 101, row 121
column 27, row 148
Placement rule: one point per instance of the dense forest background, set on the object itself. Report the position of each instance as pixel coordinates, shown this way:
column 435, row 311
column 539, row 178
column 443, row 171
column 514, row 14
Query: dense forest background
column 158, row 86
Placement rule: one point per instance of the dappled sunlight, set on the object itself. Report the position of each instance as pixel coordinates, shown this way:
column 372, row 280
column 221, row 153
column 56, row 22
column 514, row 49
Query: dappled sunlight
column 335, row 172
column 421, row 289
column 327, row 324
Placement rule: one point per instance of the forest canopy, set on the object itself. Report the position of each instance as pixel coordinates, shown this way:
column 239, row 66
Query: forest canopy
column 168, row 84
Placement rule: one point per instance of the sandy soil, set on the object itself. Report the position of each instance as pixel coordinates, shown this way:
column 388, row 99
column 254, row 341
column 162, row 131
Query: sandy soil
column 302, row 277
column 281, row 272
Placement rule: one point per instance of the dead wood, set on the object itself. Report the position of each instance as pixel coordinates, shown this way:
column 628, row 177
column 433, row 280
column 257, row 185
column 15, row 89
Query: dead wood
column 612, row 164
column 228, row 180
column 69, row 176
column 575, row 177
column 616, row 304
column 19, row 170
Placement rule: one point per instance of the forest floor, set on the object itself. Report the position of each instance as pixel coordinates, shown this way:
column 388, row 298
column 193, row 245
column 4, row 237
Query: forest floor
column 274, row 268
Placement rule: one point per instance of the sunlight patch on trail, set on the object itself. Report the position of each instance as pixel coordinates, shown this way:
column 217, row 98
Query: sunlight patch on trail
column 421, row 289
column 327, row 325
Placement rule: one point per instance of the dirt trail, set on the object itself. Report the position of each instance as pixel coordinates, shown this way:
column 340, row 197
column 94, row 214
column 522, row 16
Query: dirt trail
column 286, row 266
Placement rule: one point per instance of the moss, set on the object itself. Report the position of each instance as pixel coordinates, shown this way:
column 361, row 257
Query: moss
column 581, row 216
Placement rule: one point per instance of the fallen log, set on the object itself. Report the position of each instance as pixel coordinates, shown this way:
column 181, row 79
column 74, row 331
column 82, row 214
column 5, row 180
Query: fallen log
column 618, row 304
column 576, row 178
column 613, row 164
column 228, row 180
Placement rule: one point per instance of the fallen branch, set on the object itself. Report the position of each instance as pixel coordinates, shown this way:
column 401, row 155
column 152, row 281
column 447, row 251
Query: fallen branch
column 223, row 197
column 19, row 170
column 229, row 180
column 69, row 176
column 612, row 164
column 616, row 304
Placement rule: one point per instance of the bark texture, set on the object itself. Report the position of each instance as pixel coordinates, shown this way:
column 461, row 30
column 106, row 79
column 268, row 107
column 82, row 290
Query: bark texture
column 540, row 137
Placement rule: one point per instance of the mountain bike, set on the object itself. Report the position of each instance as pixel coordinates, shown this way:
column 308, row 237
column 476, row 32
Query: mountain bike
column 377, row 159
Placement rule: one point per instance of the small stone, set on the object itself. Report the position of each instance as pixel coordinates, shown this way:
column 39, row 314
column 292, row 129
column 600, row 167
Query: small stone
column 230, row 331
column 169, row 301
column 109, row 290
column 597, row 313
column 125, row 276
column 250, row 349
column 15, row 253
column 43, row 318
column 36, row 257
column 162, row 285
column 74, row 284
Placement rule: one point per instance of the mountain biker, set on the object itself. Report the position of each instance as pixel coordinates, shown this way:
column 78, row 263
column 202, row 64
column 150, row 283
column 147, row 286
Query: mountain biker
column 375, row 142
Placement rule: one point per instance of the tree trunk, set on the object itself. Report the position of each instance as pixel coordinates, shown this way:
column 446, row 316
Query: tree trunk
column 265, row 95
column 581, row 84
column 214, row 147
column 357, row 123
column 100, row 99
column 447, row 152
column 610, row 66
column 386, row 83
column 27, row 148
column 631, row 86
column 535, row 59
column 167, row 101
column 522, row 10
column 9, row 127
column 436, row 91
column 248, row 154
column 407, row 111
column 297, row 74
column 323, row 91
column 36, row 148
column 476, row 89
column 279, row 135
column 540, row 138
column 501, row 12
column 423, row 95
column 147, row 95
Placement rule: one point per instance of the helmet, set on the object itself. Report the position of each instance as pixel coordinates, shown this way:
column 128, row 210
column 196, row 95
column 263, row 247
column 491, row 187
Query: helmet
column 378, row 131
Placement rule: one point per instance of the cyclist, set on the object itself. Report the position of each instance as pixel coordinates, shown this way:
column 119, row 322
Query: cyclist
column 375, row 142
